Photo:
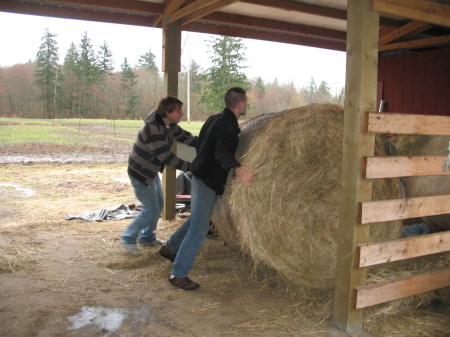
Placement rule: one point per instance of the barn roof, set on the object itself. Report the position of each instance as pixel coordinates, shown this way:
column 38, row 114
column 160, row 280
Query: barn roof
column 314, row 23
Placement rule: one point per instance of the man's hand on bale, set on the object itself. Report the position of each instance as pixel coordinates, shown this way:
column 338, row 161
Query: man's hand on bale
column 244, row 174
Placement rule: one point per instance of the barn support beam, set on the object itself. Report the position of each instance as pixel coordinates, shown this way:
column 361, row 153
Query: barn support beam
column 360, row 96
column 171, row 50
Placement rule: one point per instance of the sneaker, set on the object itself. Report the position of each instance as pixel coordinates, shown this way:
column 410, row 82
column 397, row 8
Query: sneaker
column 131, row 248
column 184, row 283
column 167, row 254
column 155, row 243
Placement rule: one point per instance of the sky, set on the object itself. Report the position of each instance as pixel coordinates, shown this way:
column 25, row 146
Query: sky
column 22, row 35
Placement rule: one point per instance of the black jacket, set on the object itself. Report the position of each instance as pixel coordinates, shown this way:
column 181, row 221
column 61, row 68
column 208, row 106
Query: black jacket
column 216, row 146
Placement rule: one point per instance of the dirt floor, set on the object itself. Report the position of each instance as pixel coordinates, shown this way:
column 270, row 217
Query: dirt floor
column 64, row 277
column 71, row 278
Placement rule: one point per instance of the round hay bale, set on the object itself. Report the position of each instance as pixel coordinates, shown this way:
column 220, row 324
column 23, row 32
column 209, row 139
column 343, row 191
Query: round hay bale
column 221, row 214
column 426, row 185
column 287, row 218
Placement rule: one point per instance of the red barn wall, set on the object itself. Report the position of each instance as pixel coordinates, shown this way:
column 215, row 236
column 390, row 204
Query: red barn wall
column 415, row 83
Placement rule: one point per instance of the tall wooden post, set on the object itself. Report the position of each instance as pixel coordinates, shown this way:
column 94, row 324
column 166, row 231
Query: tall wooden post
column 171, row 67
column 360, row 96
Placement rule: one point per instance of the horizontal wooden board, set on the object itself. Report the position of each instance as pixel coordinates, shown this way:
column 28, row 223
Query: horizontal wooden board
column 397, row 209
column 367, row 296
column 371, row 254
column 408, row 124
column 391, row 167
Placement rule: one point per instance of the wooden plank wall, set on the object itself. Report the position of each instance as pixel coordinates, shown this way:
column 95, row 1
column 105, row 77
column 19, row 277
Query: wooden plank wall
column 416, row 83
column 374, row 253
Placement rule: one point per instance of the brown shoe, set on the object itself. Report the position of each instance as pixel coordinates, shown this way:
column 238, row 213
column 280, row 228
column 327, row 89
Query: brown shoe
column 184, row 283
column 167, row 254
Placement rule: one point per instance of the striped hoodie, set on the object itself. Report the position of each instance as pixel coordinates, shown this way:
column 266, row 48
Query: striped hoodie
column 152, row 150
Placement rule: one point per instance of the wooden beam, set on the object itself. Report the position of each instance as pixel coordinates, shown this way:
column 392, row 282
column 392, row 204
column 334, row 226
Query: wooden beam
column 207, row 10
column 423, row 10
column 393, row 167
column 397, row 209
column 265, row 36
column 371, row 254
column 417, row 44
column 301, row 8
column 171, row 67
column 402, row 123
column 108, row 5
column 79, row 14
column 408, row 286
column 249, row 22
column 191, row 8
column 411, row 28
column 360, row 94
column 171, row 6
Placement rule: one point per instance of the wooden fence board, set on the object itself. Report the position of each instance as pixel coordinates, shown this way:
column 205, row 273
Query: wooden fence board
column 371, row 254
column 397, row 209
column 392, row 167
column 367, row 296
column 400, row 123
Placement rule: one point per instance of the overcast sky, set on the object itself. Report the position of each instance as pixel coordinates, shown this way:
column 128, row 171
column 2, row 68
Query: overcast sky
column 21, row 37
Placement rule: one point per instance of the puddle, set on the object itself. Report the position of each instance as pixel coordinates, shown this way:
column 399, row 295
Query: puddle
column 109, row 320
column 22, row 191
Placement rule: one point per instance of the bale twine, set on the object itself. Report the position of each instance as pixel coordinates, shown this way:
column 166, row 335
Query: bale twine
column 287, row 218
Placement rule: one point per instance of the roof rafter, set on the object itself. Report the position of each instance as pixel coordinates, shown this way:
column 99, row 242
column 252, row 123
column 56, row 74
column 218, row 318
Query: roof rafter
column 422, row 10
column 274, row 26
column 301, row 7
column 416, row 44
column 195, row 7
column 413, row 27
column 207, row 10
column 265, row 36
column 109, row 5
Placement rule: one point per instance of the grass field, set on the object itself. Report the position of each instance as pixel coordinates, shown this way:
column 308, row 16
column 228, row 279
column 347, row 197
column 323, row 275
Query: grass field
column 14, row 131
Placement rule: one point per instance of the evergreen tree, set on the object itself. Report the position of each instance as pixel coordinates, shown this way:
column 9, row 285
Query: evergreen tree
column 260, row 87
column 70, row 87
column 105, row 60
column 87, row 68
column 196, row 76
column 227, row 58
column 128, row 84
column 46, row 72
column 88, row 74
column 147, row 61
column 310, row 91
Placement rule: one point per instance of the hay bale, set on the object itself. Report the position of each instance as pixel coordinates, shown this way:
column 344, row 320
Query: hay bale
column 221, row 215
column 427, row 185
column 287, row 218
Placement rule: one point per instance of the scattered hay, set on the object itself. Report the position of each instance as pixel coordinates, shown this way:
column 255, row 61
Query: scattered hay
column 14, row 259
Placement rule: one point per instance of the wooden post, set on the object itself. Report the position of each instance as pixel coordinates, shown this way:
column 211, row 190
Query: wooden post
column 171, row 67
column 360, row 96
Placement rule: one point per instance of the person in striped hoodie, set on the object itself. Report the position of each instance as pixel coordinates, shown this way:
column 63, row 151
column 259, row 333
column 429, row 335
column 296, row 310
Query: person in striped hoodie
column 150, row 154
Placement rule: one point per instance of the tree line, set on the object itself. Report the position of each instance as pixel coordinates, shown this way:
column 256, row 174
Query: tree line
column 85, row 84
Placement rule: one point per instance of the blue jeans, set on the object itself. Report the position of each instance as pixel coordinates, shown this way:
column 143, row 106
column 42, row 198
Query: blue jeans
column 144, row 224
column 188, row 239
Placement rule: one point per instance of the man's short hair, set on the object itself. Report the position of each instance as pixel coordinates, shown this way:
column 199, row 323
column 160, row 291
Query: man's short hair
column 167, row 105
column 233, row 96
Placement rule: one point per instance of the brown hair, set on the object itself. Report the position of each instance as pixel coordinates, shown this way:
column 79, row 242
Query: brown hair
column 167, row 105
column 233, row 96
